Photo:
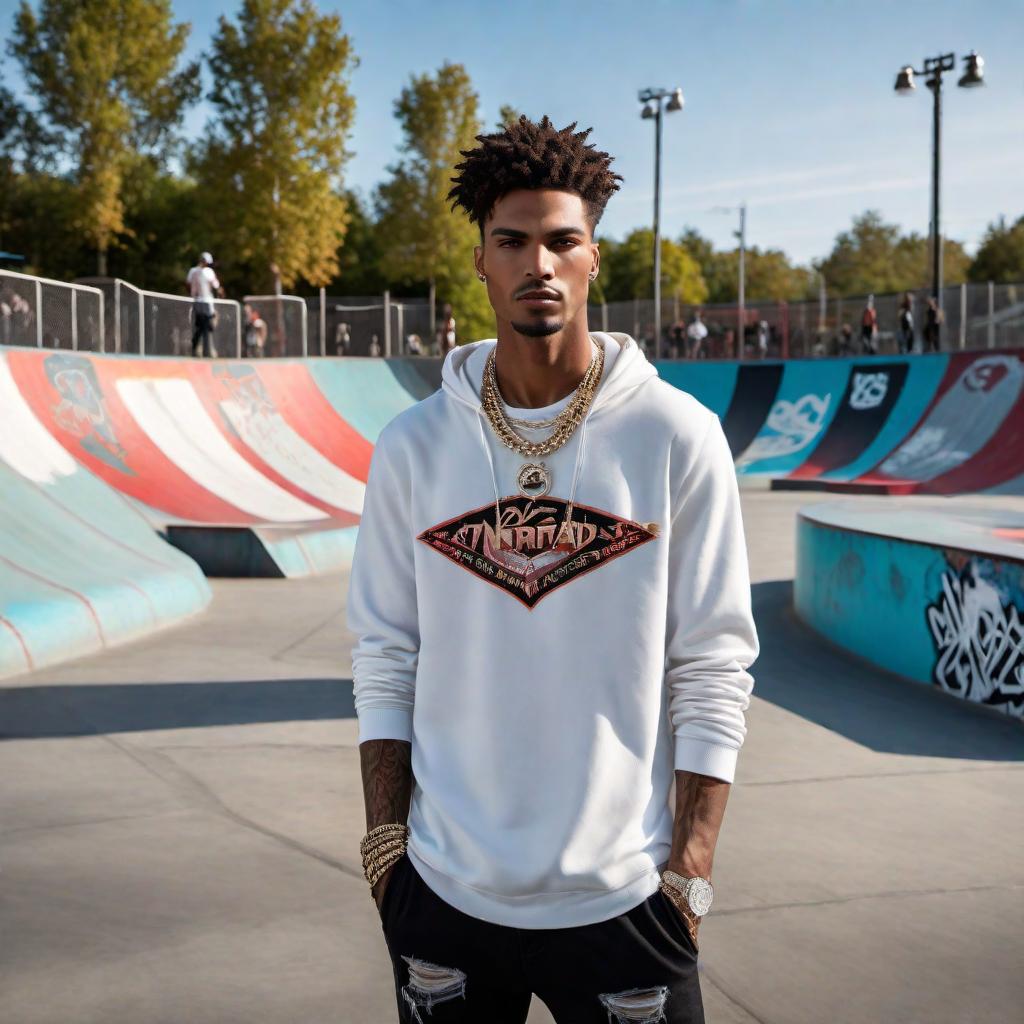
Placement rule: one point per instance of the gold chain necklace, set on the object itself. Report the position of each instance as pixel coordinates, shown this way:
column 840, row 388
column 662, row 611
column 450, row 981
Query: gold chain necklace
column 534, row 478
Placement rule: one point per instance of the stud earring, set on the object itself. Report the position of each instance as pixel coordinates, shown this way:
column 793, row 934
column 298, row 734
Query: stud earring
column 482, row 277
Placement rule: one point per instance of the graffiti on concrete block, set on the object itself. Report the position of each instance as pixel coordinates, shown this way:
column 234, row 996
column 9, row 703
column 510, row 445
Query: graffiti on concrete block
column 979, row 638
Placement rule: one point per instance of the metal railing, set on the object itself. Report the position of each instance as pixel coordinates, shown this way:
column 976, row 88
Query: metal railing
column 42, row 313
column 975, row 316
column 364, row 325
column 286, row 318
column 158, row 324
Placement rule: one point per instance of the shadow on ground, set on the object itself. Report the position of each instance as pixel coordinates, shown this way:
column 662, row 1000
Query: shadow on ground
column 85, row 709
column 797, row 671
column 807, row 675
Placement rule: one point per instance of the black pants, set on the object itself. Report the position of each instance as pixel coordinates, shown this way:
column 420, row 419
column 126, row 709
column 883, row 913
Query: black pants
column 449, row 966
column 202, row 330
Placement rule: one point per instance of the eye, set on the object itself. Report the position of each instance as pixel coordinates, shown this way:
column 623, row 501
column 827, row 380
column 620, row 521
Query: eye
column 570, row 242
column 508, row 243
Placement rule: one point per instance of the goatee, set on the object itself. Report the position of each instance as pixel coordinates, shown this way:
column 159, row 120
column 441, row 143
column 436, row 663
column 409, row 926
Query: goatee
column 538, row 328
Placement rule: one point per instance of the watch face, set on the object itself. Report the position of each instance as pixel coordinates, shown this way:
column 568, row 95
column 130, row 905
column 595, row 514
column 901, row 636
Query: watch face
column 699, row 895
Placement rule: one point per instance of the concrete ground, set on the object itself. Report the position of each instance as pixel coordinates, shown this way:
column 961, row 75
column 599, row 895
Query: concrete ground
column 179, row 827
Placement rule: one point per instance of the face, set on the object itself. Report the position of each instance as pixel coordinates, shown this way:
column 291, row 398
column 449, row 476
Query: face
column 539, row 258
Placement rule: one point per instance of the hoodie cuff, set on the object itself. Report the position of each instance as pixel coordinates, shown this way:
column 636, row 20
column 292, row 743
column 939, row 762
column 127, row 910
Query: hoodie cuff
column 705, row 758
column 385, row 724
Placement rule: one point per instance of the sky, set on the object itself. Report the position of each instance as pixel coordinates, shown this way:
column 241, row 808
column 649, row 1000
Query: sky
column 789, row 104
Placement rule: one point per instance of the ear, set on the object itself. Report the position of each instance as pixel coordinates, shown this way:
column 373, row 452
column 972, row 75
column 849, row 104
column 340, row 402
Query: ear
column 478, row 260
column 595, row 260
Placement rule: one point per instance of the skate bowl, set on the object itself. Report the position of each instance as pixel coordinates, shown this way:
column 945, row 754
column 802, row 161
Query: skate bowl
column 934, row 595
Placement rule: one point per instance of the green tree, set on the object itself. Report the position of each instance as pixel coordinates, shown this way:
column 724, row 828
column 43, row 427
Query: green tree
column 422, row 238
column 874, row 257
column 104, row 75
column 1000, row 257
column 507, row 114
column 269, row 172
column 628, row 270
column 359, row 270
column 768, row 275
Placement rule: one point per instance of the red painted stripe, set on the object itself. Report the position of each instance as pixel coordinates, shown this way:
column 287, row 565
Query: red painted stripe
column 21, row 641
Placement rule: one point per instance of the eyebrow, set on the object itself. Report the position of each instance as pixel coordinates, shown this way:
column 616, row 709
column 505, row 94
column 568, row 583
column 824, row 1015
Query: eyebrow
column 556, row 233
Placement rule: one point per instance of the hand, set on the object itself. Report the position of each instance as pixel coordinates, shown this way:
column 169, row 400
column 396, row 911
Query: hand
column 690, row 919
column 382, row 883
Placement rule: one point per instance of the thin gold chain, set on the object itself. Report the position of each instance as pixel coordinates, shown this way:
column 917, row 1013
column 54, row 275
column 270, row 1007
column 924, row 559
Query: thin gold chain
column 566, row 422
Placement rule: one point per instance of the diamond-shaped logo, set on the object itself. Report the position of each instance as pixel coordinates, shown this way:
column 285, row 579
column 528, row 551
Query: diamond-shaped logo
column 538, row 546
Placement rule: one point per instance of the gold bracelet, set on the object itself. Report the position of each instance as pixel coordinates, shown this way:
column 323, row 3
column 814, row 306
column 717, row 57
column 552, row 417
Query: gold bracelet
column 379, row 870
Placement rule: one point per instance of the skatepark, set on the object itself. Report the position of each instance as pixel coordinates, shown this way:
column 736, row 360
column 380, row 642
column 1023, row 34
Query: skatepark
column 182, row 804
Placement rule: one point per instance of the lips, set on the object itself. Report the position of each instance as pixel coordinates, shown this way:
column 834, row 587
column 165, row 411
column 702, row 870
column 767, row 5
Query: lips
column 539, row 295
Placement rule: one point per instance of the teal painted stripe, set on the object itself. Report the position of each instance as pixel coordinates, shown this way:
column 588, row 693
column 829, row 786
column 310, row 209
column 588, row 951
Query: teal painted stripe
column 823, row 379
column 923, row 376
column 712, row 384
column 365, row 392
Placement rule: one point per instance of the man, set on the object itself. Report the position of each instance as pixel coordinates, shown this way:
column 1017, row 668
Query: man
column 869, row 328
column 552, row 608
column 202, row 285
column 255, row 333
column 696, row 332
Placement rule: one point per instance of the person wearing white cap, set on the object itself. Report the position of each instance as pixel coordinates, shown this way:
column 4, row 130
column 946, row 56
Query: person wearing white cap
column 202, row 284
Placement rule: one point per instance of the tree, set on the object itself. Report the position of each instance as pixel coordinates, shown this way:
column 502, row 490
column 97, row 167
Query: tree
column 359, row 270
column 1000, row 257
column 270, row 169
column 507, row 114
column 103, row 73
column 874, row 257
column 422, row 238
column 629, row 270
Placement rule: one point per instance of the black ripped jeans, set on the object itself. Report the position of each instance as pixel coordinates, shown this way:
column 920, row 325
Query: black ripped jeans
column 449, row 966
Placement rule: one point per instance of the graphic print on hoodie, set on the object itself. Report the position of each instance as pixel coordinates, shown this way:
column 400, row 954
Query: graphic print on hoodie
column 550, row 677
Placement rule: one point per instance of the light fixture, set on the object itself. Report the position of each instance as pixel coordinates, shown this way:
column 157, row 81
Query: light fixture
column 905, row 81
column 676, row 102
column 974, row 75
column 648, row 111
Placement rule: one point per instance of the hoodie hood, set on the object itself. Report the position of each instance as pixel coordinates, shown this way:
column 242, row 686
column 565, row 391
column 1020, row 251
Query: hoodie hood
column 462, row 377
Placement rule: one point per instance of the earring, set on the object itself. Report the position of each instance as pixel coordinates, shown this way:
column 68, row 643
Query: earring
column 482, row 277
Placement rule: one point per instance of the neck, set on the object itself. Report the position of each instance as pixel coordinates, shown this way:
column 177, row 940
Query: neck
column 535, row 372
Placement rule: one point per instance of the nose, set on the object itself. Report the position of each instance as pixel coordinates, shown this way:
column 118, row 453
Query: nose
column 540, row 265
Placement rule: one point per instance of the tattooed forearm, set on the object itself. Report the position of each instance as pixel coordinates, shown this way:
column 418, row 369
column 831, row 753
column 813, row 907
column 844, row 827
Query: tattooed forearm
column 700, row 808
column 387, row 781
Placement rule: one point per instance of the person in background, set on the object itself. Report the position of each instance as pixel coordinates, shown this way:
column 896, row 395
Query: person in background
column 696, row 333
column 762, row 338
column 342, row 339
column 677, row 339
column 933, row 326
column 869, row 328
column 446, row 332
column 202, row 284
column 255, row 333
column 374, row 346
column 413, row 345
column 846, row 340
column 906, row 324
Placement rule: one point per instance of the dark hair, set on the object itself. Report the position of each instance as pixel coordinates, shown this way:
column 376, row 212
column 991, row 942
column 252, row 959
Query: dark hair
column 526, row 154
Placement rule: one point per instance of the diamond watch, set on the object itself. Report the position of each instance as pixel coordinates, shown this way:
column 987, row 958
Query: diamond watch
column 696, row 891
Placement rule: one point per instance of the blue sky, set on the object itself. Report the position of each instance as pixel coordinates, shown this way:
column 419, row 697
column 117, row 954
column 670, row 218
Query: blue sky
column 789, row 103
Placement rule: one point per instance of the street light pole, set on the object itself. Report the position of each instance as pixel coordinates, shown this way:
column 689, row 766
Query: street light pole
column 652, row 100
column 934, row 69
column 743, row 283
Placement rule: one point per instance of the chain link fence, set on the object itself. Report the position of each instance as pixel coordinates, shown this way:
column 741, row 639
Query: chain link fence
column 286, row 317
column 975, row 316
column 41, row 313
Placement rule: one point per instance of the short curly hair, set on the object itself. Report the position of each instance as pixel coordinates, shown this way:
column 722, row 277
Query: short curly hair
column 527, row 154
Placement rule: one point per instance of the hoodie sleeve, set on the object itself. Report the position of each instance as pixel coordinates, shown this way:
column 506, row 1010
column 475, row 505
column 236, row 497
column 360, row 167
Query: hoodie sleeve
column 381, row 609
column 711, row 639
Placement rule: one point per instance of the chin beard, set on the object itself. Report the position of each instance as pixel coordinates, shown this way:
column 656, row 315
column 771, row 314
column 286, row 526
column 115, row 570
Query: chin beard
column 538, row 328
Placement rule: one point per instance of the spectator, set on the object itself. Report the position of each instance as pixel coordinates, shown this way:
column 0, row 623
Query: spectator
column 374, row 346
column 846, row 340
column 729, row 343
column 342, row 339
column 446, row 332
column 762, row 338
column 933, row 319
column 905, row 324
column 869, row 328
column 413, row 345
column 677, row 338
column 202, row 284
column 255, row 333
column 696, row 333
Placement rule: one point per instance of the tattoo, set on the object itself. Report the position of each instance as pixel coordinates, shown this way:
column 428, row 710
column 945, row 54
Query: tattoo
column 700, row 808
column 387, row 790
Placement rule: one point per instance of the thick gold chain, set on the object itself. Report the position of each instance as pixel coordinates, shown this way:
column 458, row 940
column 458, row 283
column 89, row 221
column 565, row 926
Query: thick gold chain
column 566, row 422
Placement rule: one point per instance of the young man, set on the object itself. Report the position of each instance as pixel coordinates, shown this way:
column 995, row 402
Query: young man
column 202, row 285
column 552, row 604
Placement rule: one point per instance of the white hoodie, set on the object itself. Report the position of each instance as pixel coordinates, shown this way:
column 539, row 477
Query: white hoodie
column 550, row 678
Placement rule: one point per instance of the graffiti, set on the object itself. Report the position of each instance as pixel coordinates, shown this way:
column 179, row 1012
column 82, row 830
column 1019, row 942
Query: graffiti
column 979, row 641
column 82, row 410
column 794, row 425
column 869, row 390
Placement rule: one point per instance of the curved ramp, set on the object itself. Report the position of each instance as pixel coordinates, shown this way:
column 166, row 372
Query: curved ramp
column 932, row 595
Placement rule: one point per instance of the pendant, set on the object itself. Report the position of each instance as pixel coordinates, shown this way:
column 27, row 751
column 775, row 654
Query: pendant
column 534, row 480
